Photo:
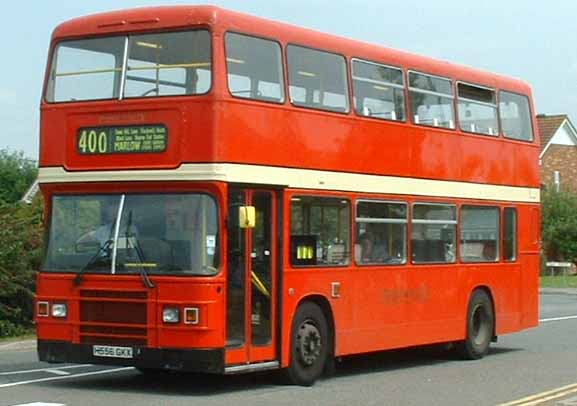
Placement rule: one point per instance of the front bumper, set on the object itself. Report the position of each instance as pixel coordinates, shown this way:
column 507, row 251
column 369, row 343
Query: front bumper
column 194, row 360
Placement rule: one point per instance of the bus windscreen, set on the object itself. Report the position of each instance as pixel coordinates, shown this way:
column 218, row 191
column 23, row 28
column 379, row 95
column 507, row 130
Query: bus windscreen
column 164, row 233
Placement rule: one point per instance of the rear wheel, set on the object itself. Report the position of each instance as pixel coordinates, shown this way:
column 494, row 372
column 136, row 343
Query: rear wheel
column 480, row 327
column 309, row 345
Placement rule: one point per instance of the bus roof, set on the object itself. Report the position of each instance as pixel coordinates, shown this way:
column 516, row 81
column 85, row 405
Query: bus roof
column 220, row 20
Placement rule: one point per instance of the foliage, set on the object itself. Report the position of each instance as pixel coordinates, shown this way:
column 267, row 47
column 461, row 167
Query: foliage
column 20, row 243
column 20, row 253
column 16, row 175
column 559, row 225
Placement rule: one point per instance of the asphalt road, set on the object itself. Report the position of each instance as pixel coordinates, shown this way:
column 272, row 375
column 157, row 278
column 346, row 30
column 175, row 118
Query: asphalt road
column 535, row 367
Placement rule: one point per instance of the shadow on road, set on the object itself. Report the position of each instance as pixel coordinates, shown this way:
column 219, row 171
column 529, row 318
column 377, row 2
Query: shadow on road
column 396, row 360
column 182, row 384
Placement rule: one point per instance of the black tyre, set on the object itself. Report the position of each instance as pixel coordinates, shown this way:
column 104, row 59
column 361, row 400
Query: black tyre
column 480, row 327
column 309, row 345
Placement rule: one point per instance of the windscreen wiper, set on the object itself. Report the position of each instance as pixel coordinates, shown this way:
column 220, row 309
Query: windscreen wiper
column 142, row 270
column 91, row 261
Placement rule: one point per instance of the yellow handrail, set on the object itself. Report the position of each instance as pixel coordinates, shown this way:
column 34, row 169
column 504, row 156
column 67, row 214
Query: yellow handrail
column 84, row 72
column 156, row 67
column 259, row 285
column 171, row 66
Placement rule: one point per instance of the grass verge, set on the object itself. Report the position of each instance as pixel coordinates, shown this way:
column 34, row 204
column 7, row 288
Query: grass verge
column 559, row 281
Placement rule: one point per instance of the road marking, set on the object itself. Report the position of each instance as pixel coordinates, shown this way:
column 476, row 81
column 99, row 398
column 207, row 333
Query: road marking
column 30, row 371
column 58, row 372
column 41, row 404
column 557, row 319
column 58, row 378
column 543, row 396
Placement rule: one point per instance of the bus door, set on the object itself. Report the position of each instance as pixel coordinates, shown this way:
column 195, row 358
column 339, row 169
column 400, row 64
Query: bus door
column 252, row 275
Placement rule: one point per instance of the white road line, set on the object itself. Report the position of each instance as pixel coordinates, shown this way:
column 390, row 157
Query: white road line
column 41, row 404
column 31, row 371
column 557, row 319
column 58, row 378
column 58, row 372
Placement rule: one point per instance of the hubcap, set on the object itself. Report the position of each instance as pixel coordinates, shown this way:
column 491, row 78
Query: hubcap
column 480, row 326
column 308, row 343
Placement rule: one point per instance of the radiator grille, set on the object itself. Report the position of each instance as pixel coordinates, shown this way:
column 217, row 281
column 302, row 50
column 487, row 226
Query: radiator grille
column 113, row 317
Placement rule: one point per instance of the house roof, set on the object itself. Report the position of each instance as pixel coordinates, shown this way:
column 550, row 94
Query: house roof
column 548, row 126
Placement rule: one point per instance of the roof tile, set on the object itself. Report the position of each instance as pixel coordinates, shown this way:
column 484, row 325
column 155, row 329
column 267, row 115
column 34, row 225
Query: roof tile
column 548, row 126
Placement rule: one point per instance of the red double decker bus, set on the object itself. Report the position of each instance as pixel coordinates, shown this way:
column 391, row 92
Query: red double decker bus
column 228, row 194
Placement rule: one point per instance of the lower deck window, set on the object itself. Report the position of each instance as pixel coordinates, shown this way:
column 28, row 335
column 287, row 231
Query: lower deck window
column 479, row 234
column 433, row 233
column 381, row 233
column 320, row 231
column 510, row 234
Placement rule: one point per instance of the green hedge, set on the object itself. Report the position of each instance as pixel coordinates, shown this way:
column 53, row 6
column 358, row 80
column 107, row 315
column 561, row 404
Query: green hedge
column 20, row 243
column 20, row 253
column 559, row 225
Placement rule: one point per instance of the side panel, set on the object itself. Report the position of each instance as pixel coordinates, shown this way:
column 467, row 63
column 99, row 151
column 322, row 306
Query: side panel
column 530, row 266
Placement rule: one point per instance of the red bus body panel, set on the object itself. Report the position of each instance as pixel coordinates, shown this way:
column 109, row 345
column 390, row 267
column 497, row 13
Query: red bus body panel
column 380, row 307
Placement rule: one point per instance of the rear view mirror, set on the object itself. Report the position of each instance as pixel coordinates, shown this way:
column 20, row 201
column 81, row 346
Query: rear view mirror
column 246, row 217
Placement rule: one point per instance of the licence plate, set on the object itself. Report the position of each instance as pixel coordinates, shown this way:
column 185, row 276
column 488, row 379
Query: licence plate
column 112, row 352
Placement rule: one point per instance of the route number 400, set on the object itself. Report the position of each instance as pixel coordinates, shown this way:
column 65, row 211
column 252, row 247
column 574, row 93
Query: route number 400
column 92, row 142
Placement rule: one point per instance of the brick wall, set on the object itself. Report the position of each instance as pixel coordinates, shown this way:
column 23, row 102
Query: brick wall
column 562, row 158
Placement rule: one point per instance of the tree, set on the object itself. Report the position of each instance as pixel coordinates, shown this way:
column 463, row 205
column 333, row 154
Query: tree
column 17, row 173
column 20, row 243
column 559, row 225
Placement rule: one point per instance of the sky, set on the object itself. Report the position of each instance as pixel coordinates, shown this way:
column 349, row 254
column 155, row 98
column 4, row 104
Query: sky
column 525, row 39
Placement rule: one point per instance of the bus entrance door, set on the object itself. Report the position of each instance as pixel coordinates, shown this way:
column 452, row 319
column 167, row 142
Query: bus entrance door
column 251, row 282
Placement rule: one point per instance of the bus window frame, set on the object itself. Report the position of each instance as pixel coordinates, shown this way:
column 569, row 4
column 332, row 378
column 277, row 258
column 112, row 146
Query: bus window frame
column 126, row 35
column 531, row 115
column 456, row 236
column 407, row 221
column 456, row 124
column 495, row 91
column 347, row 77
column 498, row 246
column 350, row 202
column 503, row 231
column 283, row 66
column 404, row 86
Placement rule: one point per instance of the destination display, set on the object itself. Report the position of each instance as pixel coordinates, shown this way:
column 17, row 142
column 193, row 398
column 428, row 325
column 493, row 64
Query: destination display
column 122, row 139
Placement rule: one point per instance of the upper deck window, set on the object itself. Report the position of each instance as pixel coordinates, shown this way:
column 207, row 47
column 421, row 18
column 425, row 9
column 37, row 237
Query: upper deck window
column 515, row 116
column 88, row 69
column 254, row 68
column 317, row 79
column 431, row 100
column 477, row 109
column 378, row 91
column 172, row 63
column 176, row 63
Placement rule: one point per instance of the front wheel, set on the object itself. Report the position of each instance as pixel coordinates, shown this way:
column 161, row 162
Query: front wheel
column 309, row 345
column 480, row 327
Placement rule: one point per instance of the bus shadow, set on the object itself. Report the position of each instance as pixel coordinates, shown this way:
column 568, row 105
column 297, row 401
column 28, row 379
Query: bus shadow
column 169, row 384
column 396, row 360
column 185, row 384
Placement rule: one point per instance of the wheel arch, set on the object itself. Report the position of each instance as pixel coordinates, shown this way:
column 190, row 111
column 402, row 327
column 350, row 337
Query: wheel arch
column 325, row 306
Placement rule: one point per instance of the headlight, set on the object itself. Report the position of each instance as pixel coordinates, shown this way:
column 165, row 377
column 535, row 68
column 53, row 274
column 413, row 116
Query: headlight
column 170, row 315
column 59, row 310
